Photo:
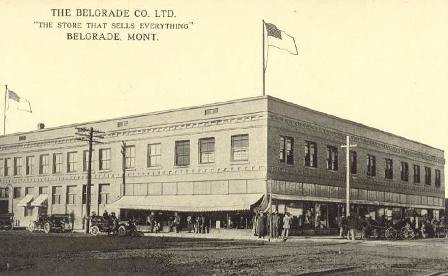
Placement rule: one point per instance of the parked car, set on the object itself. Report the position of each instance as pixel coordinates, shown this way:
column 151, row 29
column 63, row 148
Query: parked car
column 6, row 221
column 112, row 226
column 51, row 223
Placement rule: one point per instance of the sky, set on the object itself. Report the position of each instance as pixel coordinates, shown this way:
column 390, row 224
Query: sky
column 380, row 63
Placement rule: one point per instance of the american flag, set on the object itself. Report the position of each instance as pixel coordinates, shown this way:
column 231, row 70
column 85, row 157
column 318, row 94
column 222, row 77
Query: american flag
column 272, row 30
column 13, row 96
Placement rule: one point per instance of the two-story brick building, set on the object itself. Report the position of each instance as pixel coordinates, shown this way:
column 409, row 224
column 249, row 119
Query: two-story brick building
column 222, row 160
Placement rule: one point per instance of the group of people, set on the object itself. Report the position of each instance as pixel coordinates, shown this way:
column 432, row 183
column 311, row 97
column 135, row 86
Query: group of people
column 281, row 224
column 196, row 224
column 368, row 226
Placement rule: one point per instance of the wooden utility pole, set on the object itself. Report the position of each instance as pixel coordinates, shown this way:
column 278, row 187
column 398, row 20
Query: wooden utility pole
column 347, row 177
column 123, row 164
column 89, row 135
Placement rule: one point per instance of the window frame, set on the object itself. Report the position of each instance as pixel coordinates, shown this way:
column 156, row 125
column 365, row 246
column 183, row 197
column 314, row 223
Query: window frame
column 44, row 167
column 57, row 163
column 388, row 168
column 103, row 162
column 155, row 156
column 182, row 151
column 241, row 151
column 311, row 160
column 205, row 153
column 371, row 165
column 404, row 171
column 71, row 162
column 286, row 155
column 29, row 166
column 332, row 158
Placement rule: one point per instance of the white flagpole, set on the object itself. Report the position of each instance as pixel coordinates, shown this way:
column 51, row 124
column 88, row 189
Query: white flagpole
column 263, row 67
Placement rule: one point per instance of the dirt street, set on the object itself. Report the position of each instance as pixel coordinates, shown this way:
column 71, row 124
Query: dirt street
column 77, row 254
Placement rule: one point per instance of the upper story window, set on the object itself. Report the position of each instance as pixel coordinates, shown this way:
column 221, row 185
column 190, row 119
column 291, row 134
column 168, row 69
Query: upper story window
column 389, row 169
column 7, row 166
column 287, row 150
column 17, row 165
column 206, row 150
column 130, row 157
column 29, row 190
column 154, row 155
column 85, row 160
column 416, row 174
column 310, row 154
column 44, row 164
column 2, row 167
column 211, row 111
column 240, row 147
column 104, row 159
column 57, row 162
column 182, row 149
column 404, row 168
column 332, row 158
column 4, row 192
column 29, row 170
column 353, row 162
column 437, row 180
column 371, row 165
column 427, row 175
column 71, row 161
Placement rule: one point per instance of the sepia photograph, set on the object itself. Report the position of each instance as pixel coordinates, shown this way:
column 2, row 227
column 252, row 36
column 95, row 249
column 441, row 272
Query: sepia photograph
column 223, row 137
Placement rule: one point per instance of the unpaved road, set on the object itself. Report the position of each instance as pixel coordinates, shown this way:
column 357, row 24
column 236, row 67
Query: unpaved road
column 76, row 254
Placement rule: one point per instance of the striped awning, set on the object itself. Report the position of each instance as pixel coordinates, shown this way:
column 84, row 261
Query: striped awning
column 25, row 201
column 40, row 200
column 188, row 203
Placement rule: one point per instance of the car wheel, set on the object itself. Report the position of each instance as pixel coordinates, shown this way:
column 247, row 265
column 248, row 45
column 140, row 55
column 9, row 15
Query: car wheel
column 94, row 230
column 47, row 228
column 122, row 231
column 31, row 227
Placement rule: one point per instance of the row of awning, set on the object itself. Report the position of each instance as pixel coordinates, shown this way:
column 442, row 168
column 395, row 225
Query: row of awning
column 28, row 201
column 188, row 203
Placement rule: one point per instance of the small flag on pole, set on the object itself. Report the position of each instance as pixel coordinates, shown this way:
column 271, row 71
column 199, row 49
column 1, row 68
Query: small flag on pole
column 22, row 103
column 279, row 39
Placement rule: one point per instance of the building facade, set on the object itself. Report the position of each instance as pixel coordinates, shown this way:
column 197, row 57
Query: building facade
column 224, row 160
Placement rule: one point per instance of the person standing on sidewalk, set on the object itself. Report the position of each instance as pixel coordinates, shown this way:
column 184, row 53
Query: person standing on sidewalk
column 352, row 225
column 275, row 224
column 286, row 226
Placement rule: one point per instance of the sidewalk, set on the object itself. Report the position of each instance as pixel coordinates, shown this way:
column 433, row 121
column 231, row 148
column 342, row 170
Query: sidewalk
column 238, row 234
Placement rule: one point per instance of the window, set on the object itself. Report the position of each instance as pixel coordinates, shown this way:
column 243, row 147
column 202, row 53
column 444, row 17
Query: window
column 206, row 150
column 371, row 165
column 44, row 164
column 437, row 183
column 182, row 149
column 85, row 160
column 71, row 194
column 310, row 154
column 427, row 176
column 7, row 166
column 57, row 162
column 57, row 194
column 4, row 193
column 2, row 167
column 404, row 168
column 17, row 165
column 240, row 147
column 130, row 157
column 104, row 159
column 353, row 162
column 29, row 165
column 29, row 190
column 416, row 174
column 154, row 155
column 17, row 192
column 287, row 150
column 71, row 161
column 84, row 193
column 332, row 158
column 103, row 194
column 211, row 111
column 28, row 211
column 389, row 169
column 43, row 190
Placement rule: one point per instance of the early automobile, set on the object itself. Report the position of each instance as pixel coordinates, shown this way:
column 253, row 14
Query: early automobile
column 112, row 226
column 6, row 221
column 51, row 223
